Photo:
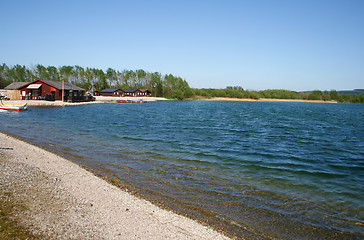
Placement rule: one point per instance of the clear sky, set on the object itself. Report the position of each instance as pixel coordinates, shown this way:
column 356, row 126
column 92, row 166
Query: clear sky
column 257, row 44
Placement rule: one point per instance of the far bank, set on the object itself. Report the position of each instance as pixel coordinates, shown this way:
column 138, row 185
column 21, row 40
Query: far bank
column 266, row 100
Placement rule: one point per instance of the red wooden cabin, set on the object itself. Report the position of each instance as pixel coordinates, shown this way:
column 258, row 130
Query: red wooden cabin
column 51, row 90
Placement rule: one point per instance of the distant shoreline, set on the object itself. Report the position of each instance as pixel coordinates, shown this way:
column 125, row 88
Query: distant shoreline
column 101, row 99
column 266, row 100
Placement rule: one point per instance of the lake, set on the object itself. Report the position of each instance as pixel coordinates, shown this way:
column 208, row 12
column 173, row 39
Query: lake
column 253, row 169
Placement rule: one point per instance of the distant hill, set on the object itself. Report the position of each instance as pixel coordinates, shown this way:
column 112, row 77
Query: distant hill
column 351, row 92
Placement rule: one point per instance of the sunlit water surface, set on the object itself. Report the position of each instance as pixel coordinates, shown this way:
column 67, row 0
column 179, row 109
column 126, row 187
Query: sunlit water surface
column 254, row 169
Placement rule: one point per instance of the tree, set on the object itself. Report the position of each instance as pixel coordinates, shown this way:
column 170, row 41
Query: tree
column 41, row 72
column 4, row 81
column 334, row 95
column 177, row 94
column 79, row 75
column 157, row 84
column 100, row 79
column 111, row 76
column 315, row 95
column 140, row 78
column 65, row 73
column 53, row 73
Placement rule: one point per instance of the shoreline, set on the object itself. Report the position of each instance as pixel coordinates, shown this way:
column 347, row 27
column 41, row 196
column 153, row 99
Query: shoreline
column 102, row 99
column 99, row 99
column 63, row 200
column 266, row 100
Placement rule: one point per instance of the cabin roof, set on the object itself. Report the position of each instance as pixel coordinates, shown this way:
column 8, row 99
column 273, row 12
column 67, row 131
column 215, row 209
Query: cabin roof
column 15, row 85
column 56, row 84
column 130, row 90
column 110, row 90
column 144, row 90
column 67, row 85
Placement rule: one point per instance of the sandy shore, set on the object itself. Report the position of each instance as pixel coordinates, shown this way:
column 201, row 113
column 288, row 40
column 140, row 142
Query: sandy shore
column 114, row 99
column 266, row 100
column 61, row 200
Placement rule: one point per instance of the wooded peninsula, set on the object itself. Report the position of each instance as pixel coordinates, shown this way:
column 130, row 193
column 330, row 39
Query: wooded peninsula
column 168, row 86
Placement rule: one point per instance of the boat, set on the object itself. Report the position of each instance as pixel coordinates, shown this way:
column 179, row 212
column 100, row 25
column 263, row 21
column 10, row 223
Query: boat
column 13, row 107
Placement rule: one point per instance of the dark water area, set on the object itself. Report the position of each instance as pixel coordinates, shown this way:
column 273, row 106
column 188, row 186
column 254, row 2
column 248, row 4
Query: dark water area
column 254, row 169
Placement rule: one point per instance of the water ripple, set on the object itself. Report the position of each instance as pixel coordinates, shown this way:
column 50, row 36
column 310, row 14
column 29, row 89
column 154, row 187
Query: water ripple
column 275, row 170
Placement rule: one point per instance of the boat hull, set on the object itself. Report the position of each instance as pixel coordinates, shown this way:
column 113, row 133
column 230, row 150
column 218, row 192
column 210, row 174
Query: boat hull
column 14, row 108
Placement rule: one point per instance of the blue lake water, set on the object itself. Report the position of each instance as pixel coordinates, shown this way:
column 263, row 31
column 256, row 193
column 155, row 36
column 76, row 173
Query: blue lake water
column 253, row 169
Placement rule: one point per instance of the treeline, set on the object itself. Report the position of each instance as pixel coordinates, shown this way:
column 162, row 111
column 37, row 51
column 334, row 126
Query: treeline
column 239, row 92
column 168, row 86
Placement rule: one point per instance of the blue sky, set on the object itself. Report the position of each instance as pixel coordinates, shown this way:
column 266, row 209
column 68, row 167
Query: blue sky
column 261, row 44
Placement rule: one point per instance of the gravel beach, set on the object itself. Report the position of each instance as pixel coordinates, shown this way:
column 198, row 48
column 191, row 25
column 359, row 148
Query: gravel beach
column 61, row 200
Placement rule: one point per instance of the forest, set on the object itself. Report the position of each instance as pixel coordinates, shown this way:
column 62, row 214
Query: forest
column 168, row 86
